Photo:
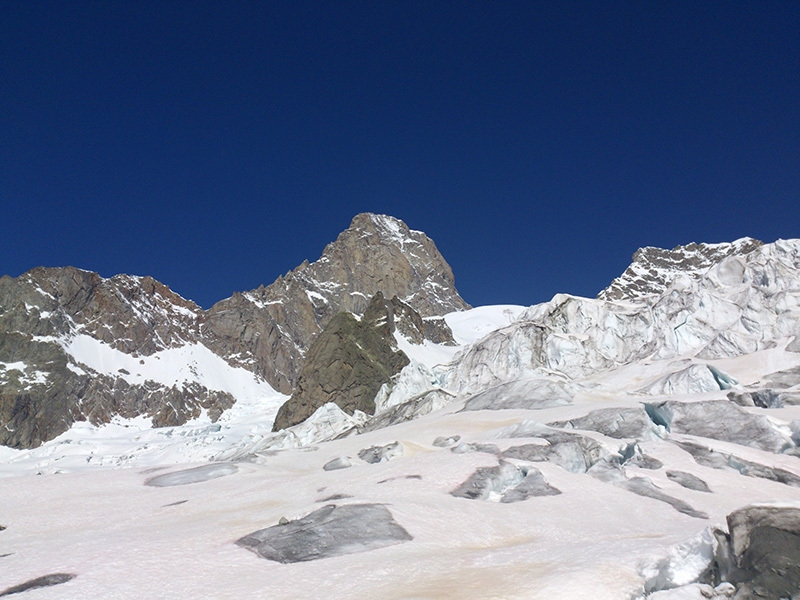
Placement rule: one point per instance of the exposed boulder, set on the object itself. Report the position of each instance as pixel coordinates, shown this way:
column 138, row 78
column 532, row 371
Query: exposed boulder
column 329, row 531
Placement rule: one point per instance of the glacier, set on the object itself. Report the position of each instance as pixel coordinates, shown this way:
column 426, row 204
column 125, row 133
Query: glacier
column 580, row 448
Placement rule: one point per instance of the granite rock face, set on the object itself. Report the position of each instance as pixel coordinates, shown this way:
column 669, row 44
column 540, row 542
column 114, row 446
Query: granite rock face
column 272, row 327
column 44, row 389
column 351, row 359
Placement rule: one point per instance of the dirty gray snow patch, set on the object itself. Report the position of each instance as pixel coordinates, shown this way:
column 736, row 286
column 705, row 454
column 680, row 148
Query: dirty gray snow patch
column 39, row 582
column 195, row 475
column 469, row 448
column 694, row 379
column 571, row 452
column 444, row 442
column 376, row 454
column 689, row 481
column 766, row 550
column 533, row 394
column 342, row 462
column 763, row 398
column 614, row 422
column 632, row 455
column 642, row 486
column 719, row 420
column 329, row 531
column 333, row 497
column 505, row 483
column 708, row 457
column 784, row 379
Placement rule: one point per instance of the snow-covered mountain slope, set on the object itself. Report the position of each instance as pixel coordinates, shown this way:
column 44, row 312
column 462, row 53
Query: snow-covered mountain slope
column 240, row 430
column 653, row 270
column 75, row 346
column 581, row 448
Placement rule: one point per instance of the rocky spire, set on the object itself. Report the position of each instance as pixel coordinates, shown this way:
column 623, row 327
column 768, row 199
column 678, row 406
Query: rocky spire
column 275, row 325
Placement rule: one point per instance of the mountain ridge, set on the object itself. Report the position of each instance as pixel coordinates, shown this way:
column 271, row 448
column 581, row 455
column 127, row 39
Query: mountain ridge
column 49, row 316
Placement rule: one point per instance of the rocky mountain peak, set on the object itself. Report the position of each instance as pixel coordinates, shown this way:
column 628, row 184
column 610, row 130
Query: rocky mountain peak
column 376, row 254
column 653, row 270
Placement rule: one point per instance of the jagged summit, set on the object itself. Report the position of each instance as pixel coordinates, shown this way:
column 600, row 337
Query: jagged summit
column 277, row 323
column 653, row 270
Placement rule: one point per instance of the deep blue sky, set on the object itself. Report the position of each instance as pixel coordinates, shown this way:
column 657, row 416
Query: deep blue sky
column 215, row 145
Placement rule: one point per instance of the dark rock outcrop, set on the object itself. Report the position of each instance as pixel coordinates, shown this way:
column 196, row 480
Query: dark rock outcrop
column 351, row 359
column 43, row 390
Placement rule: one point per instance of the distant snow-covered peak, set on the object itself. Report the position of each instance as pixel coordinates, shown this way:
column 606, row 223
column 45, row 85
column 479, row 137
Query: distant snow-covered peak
column 653, row 270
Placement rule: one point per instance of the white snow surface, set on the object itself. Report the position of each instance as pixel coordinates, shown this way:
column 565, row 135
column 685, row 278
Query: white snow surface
column 191, row 363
